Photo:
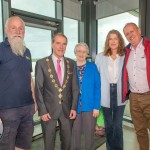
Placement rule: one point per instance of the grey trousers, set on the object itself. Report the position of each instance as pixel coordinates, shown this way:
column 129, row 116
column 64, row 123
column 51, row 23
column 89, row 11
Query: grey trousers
column 84, row 124
column 49, row 133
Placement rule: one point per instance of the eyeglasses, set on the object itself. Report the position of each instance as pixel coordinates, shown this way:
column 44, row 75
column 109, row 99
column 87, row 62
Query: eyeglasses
column 83, row 52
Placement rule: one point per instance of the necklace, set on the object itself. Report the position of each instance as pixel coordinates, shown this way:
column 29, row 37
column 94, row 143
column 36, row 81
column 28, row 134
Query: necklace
column 60, row 89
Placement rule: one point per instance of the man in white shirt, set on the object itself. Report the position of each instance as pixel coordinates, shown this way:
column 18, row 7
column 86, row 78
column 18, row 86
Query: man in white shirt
column 137, row 69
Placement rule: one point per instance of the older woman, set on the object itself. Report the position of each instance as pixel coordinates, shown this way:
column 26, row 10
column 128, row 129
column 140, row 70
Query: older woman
column 89, row 99
column 110, row 64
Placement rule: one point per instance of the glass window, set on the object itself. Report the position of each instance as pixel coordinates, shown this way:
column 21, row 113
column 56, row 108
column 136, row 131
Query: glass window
column 114, row 22
column 42, row 7
column 39, row 42
column 59, row 10
column 1, row 29
column 71, row 31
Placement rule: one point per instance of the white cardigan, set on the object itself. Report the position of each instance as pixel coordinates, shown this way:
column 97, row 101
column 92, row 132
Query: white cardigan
column 102, row 65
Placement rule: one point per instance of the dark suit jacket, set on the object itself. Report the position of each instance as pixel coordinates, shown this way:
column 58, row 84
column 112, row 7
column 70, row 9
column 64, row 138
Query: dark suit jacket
column 47, row 94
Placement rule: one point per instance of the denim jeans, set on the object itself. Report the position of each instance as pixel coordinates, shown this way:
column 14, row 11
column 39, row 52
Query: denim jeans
column 113, row 117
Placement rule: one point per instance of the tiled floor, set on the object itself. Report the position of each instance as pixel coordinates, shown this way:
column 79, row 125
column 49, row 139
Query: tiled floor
column 39, row 143
column 130, row 140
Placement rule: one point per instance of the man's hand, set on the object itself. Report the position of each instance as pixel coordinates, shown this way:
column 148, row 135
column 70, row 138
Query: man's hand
column 95, row 113
column 33, row 95
column 72, row 114
column 46, row 117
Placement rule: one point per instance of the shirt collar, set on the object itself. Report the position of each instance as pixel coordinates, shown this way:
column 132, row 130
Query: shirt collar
column 55, row 58
column 139, row 45
column 116, row 56
column 6, row 42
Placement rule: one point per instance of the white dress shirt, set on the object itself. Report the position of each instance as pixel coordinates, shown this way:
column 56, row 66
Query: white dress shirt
column 136, row 67
column 113, row 69
column 54, row 58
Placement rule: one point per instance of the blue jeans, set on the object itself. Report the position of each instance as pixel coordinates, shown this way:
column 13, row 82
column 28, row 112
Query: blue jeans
column 18, row 127
column 113, row 117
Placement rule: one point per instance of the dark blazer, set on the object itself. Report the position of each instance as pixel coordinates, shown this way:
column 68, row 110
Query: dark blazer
column 47, row 94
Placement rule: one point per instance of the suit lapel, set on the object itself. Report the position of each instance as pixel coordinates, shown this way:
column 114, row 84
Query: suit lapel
column 65, row 70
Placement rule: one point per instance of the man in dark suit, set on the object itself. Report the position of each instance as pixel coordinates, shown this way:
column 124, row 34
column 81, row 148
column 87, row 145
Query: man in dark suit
column 56, row 90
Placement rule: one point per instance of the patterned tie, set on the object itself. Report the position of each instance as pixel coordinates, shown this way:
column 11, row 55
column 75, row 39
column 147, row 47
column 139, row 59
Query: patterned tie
column 59, row 73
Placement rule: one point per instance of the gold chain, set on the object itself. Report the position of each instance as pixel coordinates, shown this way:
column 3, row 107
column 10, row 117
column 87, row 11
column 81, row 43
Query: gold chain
column 60, row 89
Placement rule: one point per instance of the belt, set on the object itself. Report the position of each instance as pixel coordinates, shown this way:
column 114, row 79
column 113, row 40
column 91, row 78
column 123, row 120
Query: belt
column 113, row 84
column 146, row 93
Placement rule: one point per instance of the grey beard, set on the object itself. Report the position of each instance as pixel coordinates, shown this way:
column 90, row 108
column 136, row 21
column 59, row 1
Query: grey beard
column 18, row 46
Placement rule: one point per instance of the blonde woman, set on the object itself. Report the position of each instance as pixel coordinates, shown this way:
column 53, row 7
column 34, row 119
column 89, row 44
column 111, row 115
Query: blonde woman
column 110, row 63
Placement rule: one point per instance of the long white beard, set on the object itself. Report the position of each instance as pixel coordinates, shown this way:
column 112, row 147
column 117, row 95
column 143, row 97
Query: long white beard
column 18, row 46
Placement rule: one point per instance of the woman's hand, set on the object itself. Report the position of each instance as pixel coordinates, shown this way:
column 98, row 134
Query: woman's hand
column 95, row 113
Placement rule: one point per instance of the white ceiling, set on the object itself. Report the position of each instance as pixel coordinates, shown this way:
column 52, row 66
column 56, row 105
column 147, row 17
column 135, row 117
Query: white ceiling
column 112, row 7
column 104, row 8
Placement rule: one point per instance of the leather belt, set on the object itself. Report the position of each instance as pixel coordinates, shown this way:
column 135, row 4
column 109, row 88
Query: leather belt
column 146, row 93
column 113, row 84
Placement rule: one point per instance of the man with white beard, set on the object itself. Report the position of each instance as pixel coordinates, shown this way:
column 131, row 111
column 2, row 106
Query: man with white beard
column 17, row 101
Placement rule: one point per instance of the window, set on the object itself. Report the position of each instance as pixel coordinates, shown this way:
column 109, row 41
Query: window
column 39, row 42
column 1, row 29
column 71, row 31
column 42, row 7
column 114, row 22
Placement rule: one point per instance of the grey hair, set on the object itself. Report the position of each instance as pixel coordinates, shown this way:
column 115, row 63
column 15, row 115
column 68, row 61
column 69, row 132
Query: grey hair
column 11, row 18
column 130, row 23
column 59, row 34
column 81, row 44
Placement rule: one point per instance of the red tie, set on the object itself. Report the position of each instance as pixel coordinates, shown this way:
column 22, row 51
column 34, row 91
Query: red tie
column 59, row 73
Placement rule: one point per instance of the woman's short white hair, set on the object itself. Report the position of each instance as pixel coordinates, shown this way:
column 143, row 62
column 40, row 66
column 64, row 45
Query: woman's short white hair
column 81, row 44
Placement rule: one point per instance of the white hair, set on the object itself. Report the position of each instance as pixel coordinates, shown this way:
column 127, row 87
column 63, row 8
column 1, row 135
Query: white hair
column 11, row 18
column 81, row 44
